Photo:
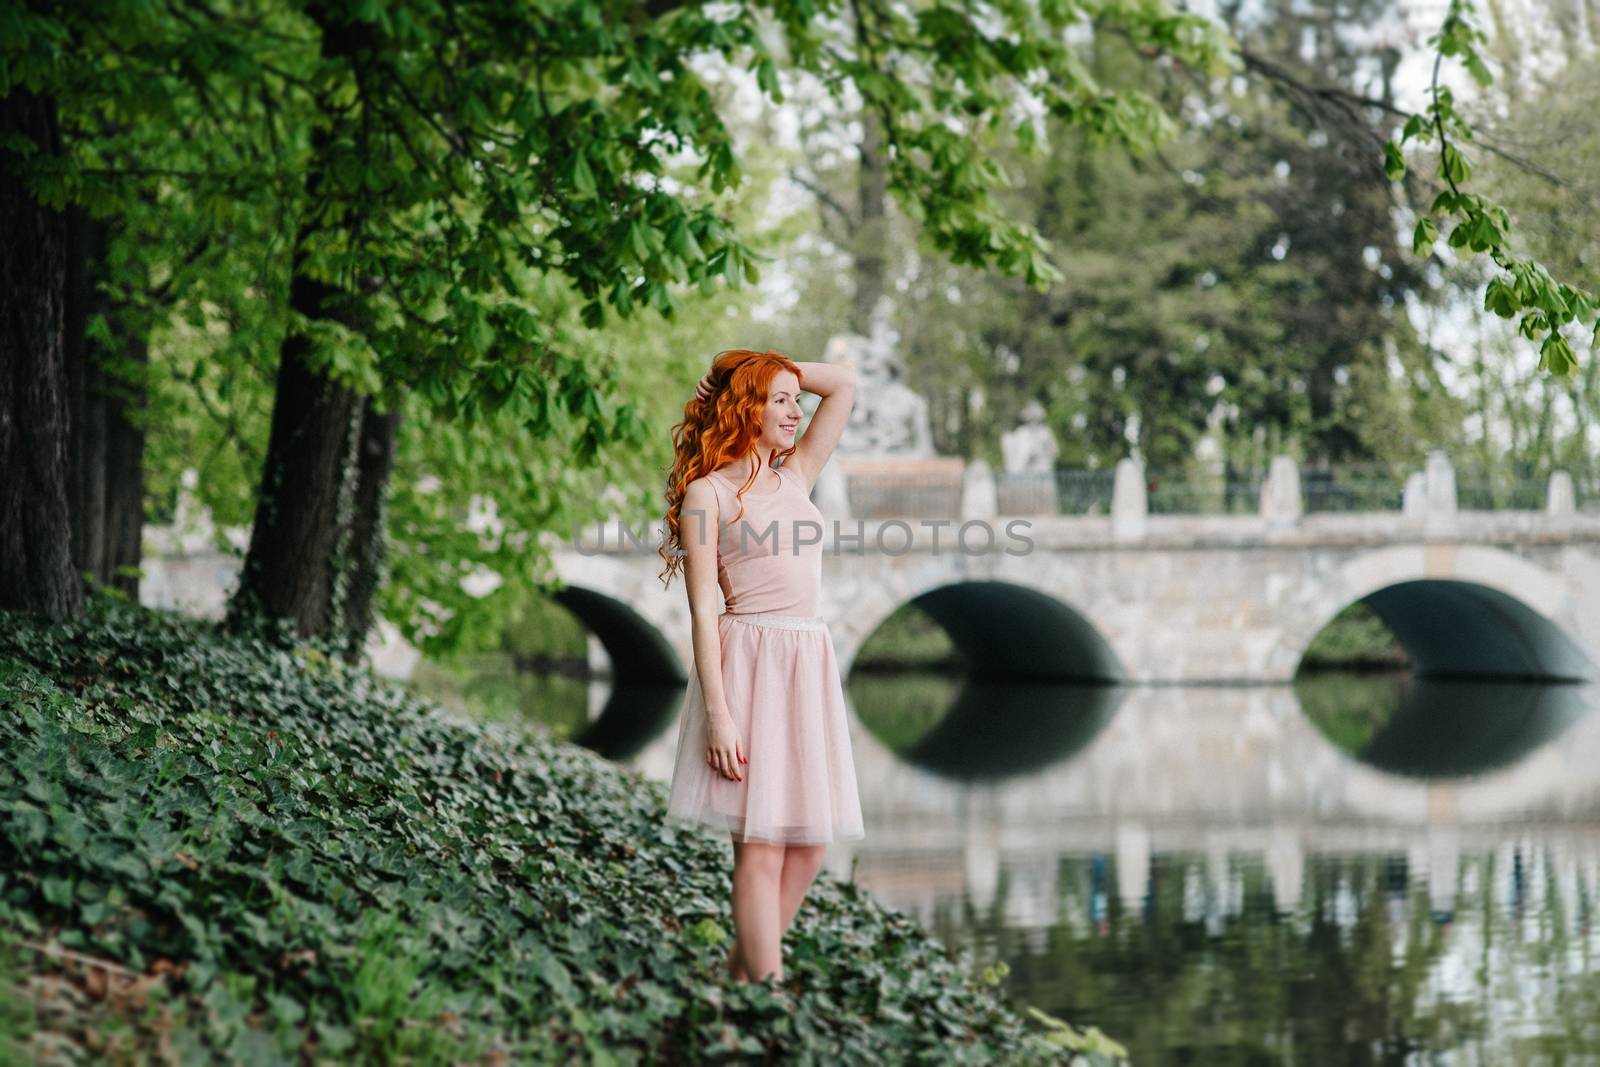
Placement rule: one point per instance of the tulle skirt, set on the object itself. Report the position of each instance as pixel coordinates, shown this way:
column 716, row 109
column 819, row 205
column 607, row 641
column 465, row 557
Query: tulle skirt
column 781, row 681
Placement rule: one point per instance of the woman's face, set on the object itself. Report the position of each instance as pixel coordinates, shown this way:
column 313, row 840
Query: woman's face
column 781, row 419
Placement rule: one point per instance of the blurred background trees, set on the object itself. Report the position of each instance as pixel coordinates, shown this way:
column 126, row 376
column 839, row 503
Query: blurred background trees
column 481, row 262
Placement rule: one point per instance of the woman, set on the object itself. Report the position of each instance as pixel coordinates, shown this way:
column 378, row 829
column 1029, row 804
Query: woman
column 764, row 743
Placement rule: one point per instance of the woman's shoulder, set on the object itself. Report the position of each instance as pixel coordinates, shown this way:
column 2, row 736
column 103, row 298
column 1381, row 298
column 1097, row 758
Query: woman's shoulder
column 705, row 488
column 715, row 481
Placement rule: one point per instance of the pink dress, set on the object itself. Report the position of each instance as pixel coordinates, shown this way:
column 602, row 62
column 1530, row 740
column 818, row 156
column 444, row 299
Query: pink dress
column 781, row 681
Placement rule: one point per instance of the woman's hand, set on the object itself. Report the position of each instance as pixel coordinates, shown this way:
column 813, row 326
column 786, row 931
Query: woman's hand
column 724, row 747
column 705, row 389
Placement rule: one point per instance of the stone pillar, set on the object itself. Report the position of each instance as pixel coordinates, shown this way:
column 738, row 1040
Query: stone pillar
column 980, row 868
column 1130, row 503
column 980, row 497
column 1444, row 867
column 1281, row 504
column 1560, row 499
column 1441, row 493
column 1286, row 866
column 1133, row 864
column 1441, row 477
column 1414, row 505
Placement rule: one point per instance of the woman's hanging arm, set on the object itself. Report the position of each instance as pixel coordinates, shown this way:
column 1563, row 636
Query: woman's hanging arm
column 697, row 530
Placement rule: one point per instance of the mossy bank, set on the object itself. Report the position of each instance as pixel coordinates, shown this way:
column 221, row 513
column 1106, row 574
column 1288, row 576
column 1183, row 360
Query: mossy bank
column 225, row 848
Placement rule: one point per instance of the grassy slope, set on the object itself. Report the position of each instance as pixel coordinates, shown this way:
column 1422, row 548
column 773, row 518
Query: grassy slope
column 223, row 849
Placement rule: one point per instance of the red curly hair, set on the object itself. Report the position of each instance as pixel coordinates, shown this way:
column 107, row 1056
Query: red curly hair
column 723, row 427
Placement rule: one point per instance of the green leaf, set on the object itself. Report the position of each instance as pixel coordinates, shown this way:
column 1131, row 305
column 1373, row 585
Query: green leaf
column 1454, row 164
column 1501, row 298
column 1555, row 356
column 480, row 334
column 1476, row 68
column 706, row 932
column 767, row 78
column 1394, row 164
column 681, row 240
column 636, row 237
column 555, row 975
column 582, row 176
column 1427, row 232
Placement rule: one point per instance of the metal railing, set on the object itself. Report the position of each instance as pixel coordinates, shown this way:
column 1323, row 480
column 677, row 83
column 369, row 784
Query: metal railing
column 1346, row 487
column 1082, row 492
column 1517, row 487
column 1586, row 491
column 1354, row 487
column 1189, row 492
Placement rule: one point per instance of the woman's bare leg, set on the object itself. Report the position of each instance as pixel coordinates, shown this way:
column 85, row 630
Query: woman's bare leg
column 758, row 934
column 800, row 866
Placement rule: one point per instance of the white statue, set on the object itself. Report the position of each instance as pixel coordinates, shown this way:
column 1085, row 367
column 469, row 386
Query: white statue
column 888, row 419
column 1031, row 446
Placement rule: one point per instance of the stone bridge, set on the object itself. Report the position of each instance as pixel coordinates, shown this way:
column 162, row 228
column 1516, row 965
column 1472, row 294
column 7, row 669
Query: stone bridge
column 1151, row 598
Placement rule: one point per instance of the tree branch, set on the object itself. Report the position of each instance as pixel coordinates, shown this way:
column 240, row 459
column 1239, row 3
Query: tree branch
column 1348, row 101
column 826, row 198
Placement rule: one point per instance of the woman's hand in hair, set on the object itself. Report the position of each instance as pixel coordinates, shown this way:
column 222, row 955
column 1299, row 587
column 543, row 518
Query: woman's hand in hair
column 705, row 389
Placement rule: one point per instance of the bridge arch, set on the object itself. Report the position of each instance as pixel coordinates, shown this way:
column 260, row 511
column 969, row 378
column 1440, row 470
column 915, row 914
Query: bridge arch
column 647, row 675
column 1459, row 611
column 1007, row 630
column 638, row 650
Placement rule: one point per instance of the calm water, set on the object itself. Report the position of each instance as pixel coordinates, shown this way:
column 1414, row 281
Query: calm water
column 1355, row 870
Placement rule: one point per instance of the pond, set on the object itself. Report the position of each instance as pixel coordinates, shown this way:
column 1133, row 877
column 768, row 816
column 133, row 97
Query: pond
column 1357, row 869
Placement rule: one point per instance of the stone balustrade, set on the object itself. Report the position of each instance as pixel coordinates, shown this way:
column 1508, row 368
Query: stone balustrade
column 1429, row 496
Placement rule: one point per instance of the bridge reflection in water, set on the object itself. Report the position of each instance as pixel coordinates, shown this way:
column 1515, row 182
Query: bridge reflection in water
column 1347, row 870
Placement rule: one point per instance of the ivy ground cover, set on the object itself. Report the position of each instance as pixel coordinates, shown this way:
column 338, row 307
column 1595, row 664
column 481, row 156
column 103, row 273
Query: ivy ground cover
column 238, row 849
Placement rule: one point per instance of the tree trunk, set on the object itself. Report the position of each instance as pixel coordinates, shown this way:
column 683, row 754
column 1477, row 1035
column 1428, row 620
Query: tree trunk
column 374, row 462
column 87, row 448
column 124, row 502
column 106, row 450
column 871, row 265
column 288, row 570
column 36, row 558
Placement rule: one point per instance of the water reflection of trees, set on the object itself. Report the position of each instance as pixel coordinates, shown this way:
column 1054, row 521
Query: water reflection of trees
column 1437, row 728
column 1372, row 966
column 979, row 729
